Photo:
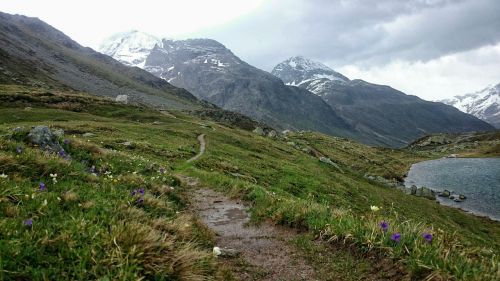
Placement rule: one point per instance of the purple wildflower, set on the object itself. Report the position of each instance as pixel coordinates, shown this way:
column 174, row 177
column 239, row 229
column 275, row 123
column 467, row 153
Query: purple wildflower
column 427, row 236
column 384, row 226
column 28, row 223
column 62, row 153
column 396, row 237
column 162, row 170
column 133, row 193
column 19, row 149
column 140, row 200
column 42, row 186
column 141, row 191
column 66, row 141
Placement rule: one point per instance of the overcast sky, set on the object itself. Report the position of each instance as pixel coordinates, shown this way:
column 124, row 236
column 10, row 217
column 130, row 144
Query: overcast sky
column 430, row 48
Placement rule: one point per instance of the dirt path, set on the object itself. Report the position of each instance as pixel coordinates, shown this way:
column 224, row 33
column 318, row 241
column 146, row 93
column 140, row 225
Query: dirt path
column 201, row 140
column 264, row 251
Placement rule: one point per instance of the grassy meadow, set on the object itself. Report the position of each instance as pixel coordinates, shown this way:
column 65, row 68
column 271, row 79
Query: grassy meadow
column 114, row 208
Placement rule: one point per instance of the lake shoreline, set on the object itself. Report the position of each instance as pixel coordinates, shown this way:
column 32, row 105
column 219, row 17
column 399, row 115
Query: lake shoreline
column 481, row 202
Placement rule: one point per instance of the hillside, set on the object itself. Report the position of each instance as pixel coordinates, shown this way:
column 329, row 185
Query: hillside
column 36, row 54
column 213, row 73
column 102, row 224
column 380, row 112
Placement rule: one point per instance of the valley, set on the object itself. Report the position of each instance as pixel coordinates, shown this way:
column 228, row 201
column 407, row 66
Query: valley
column 164, row 159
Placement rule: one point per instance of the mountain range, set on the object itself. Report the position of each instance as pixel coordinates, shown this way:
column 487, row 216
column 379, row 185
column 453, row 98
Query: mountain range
column 203, row 75
column 484, row 104
column 378, row 111
column 298, row 94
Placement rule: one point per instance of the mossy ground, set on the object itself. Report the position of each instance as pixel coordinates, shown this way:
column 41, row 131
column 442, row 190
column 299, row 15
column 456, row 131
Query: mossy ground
column 96, row 229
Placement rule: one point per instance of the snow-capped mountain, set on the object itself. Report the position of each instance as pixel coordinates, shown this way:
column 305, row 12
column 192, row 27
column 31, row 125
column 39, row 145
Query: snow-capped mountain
column 378, row 111
column 302, row 72
column 315, row 97
column 130, row 48
column 484, row 104
column 170, row 59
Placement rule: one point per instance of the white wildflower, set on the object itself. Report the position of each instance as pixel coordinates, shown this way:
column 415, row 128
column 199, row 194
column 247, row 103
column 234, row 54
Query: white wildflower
column 216, row 251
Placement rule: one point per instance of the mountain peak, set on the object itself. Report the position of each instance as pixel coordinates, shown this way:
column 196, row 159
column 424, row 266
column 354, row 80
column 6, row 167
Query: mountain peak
column 307, row 73
column 129, row 47
column 305, row 64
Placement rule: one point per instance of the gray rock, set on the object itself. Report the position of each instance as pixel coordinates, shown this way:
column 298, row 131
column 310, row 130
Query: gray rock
column 128, row 144
column 413, row 190
column 445, row 193
column 330, row 162
column 88, row 135
column 43, row 137
column 457, row 197
column 272, row 134
column 259, row 131
column 425, row 193
column 58, row 133
column 229, row 253
column 122, row 99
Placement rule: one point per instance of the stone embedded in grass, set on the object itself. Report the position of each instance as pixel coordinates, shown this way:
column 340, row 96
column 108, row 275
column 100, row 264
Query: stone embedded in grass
column 43, row 137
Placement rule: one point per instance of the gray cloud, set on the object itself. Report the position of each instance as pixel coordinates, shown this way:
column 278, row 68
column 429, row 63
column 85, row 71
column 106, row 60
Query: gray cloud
column 362, row 32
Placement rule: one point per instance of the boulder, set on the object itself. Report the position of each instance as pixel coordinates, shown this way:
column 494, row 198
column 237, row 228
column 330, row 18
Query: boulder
column 457, row 197
column 413, row 190
column 43, row 137
column 122, row 99
column 259, row 131
column 272, row 134
column 445, row 193
column 425, row 193
column 330, row 162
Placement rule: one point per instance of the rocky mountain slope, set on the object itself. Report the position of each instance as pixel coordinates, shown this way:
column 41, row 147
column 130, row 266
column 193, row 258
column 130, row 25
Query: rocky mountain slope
column 484, row 104
column 379, row 111
column 36, row 54
column 213, row 73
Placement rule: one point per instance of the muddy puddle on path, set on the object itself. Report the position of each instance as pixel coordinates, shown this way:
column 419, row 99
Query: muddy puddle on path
column 265, row 249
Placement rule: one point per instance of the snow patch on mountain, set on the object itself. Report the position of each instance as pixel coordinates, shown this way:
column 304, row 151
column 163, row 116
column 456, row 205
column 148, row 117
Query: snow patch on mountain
column 130, row 48
column 484, row 104
column 312, row 75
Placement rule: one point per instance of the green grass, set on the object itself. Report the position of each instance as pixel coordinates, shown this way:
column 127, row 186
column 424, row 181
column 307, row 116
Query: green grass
column 283, row 183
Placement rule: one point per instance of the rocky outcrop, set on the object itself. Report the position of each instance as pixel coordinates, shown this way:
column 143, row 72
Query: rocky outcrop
column 44, row 138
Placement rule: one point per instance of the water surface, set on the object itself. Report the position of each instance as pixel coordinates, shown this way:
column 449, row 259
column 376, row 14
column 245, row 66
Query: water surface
column 476, row 178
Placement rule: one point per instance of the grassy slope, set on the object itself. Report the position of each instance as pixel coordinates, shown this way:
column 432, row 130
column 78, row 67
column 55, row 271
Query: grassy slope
column 284, row 184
